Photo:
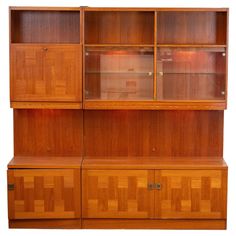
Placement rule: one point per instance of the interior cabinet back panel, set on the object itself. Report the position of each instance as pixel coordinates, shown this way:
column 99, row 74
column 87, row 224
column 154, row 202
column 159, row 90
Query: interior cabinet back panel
column 153, row 133
column 45, row 27
column 48, row 132
column 119, row 27
column 191, row 27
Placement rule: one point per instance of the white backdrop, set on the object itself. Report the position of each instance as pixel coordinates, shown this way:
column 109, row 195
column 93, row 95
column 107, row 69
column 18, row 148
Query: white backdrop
column 6, row 121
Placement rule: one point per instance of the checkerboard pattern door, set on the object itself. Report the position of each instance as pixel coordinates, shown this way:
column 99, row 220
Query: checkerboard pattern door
column 190, row 194
column 117, row 194
column 44, row 194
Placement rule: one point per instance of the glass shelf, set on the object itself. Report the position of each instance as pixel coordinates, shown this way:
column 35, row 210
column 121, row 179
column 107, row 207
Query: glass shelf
column 119, row 73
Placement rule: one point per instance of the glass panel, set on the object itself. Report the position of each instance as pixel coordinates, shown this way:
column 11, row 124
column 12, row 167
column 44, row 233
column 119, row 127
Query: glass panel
column 115, row 73
column 191, row 74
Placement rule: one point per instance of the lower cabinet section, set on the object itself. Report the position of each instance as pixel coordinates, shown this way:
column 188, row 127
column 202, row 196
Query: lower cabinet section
column 174, row 199
column 160, row 194
column 44, row 193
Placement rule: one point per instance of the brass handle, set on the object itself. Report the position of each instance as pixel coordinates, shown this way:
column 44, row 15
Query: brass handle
column 158, row 186
column 45, row 49
column 153, row 186
column 10, row 187
column 150, row 186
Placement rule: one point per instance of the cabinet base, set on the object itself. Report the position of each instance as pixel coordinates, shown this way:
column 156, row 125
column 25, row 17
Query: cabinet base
column 45, row 224
column 152, row 224
column 118, row 224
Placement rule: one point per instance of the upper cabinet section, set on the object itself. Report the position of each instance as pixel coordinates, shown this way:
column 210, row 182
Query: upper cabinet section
column 155, row 59
column 119, row 27
column 119, row 58
column 45, row 26
column 192, row 27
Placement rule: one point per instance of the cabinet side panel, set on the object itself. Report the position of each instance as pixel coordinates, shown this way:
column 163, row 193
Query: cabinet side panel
column 153, row 133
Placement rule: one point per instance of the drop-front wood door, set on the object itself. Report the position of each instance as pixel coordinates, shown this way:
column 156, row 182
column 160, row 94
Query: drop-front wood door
column 48, row 193
column 117, row 194
column 46, row 73
column 191, row 194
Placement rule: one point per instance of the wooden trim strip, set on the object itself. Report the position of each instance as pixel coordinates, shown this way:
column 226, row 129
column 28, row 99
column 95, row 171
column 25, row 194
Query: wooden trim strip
column 154, row 105
column 152, row 224
column 27, row 8
column 46, row 105
column 118, row 224
column 154, row 9
column 46, row 224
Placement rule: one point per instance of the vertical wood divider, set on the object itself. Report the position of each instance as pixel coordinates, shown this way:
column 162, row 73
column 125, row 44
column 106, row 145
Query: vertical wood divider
column 155, row 58
column 82, row 41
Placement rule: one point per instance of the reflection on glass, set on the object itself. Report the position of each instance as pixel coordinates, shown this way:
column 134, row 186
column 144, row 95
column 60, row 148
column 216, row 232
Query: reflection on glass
column 191, row 74
column 116, row 73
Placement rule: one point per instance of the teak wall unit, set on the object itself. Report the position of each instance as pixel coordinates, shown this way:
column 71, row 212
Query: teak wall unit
column 118, row 118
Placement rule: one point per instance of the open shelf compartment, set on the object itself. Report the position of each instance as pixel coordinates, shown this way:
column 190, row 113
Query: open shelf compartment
column 45, row 26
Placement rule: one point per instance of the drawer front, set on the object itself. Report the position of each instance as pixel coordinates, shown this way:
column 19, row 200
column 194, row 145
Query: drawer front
column 191, row 194
column 117, row 194
column 43, row 194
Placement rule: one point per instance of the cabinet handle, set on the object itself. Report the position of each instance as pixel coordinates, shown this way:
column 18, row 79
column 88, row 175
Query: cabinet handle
column 153, row 186
column 150, row 186
column 158, row 186
column 10, row 187
column 45, row 49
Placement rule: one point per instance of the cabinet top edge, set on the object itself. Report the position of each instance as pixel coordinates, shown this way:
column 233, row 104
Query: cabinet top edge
column 28, row 8
column 87, row 8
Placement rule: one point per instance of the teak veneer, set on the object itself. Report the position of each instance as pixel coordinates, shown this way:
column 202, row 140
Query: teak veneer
column 118, row 118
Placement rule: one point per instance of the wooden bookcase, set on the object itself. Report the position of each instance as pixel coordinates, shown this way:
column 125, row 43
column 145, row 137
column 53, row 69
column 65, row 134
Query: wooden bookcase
column 118, row 118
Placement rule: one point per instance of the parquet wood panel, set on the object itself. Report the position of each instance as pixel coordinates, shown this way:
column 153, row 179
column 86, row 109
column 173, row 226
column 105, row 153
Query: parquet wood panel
column 190, row 194
column 117, row 194
column 46, row 193
column 46, row 72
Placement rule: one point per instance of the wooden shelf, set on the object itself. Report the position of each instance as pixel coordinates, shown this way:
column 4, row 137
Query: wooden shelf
column 46, row 105
column 153, row 163
column 154, row 105
column 21, row 162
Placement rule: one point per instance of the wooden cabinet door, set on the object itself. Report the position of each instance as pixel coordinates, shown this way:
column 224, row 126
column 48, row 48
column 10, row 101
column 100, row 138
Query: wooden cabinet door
column 43, row 194
column 191, row 194
column 117, row 194
column 46, row 73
